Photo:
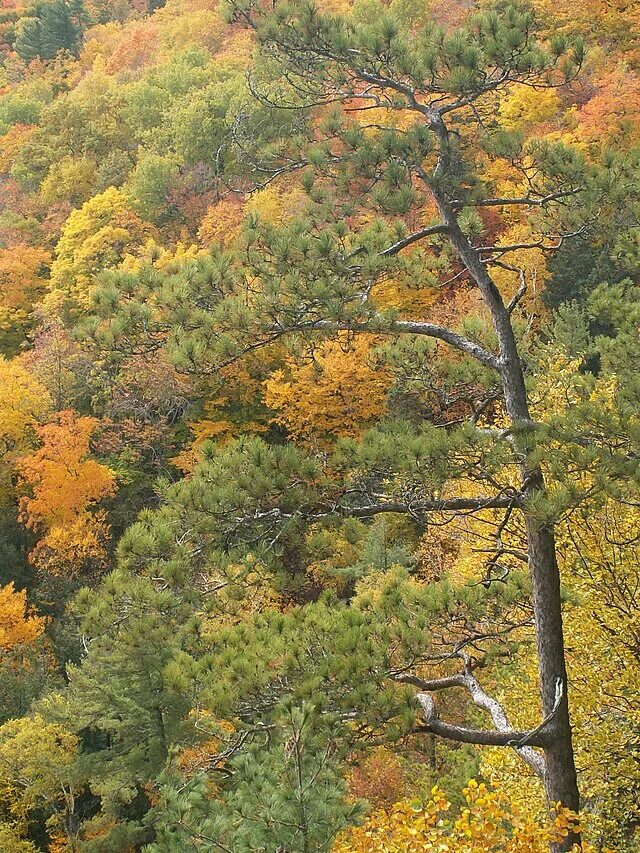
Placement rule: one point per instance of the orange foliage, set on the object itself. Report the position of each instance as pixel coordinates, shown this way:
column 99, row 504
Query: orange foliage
column 612, row 116
column 221, row 223
column 22, row 283
column 19, row 625
column 134, row 50
column 63, row 485
column 63, row 481
column 380, row 778
column 337, row 392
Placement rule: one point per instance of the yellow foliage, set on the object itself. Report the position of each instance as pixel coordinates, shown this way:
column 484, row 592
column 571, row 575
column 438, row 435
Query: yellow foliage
column 23, row 402
column 613, row 22
column 12, row 842
column 96, row 236
column 34, row 761
column 325, row 570
column 600, row 556
column 102, row 41
column 489, row 822
column 18, row 623
column 408, row 301
column 184, row 23
column 70, row 548
column 338, row 392
column 531, row 262
column 161, row 258
column 12, row 142
column 70, row 179
column 525, row 107
column 22, row 275
column 221, row 223
column 236, row 51
column 214, row 427
column 276, row 206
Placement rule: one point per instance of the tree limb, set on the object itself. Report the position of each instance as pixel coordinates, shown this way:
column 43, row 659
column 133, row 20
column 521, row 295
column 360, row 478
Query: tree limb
column 502, row 735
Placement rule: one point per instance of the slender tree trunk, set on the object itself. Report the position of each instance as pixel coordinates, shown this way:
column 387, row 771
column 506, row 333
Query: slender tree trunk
column 560, row 780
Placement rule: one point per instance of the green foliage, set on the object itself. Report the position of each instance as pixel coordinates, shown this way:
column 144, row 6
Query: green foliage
column 54, row 26
column 254, row 639
column 287, row 794
column 150, row 184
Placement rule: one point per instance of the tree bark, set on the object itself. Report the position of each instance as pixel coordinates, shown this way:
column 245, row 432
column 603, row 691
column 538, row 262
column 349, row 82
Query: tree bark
column 560, row 778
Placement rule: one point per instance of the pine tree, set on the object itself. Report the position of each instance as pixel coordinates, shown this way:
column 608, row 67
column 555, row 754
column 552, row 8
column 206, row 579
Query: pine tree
column 287, row 794
column 55, row 25
column 318, row 277
column 398, row 143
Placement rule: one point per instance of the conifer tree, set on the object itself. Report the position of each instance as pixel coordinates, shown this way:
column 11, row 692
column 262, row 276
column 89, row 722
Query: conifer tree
column 287, row 795
column 53, row 26
column 395, row 124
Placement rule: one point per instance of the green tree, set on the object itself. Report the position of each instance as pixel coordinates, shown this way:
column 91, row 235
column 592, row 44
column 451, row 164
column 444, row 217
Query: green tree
column 427, row 150
column 52, row 27
column 287, row 795
column 121, row 701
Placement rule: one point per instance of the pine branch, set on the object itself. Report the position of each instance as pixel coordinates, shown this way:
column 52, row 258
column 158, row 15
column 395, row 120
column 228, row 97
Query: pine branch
column 534, row 201
column 502, row 735
column 410, row 327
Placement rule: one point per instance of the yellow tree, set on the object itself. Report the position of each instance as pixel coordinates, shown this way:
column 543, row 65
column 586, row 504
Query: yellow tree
column 63, row 483
column 23, row 403
column 338, row 390
column 22, row 283
column 19, row 625
column 35, row 774
column 96, row 236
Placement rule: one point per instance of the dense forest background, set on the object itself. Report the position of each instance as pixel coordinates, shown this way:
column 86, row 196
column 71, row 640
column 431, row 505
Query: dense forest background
column 267, row 492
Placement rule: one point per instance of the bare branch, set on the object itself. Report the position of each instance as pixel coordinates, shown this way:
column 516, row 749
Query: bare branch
column 450, row 337
column 462, row 734
column 440, row 228
column 502, row 735
column 535, row 201
column 410, row 327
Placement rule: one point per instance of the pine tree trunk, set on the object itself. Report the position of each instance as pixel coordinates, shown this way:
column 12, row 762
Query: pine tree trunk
column 560, row 779
column 561, row 784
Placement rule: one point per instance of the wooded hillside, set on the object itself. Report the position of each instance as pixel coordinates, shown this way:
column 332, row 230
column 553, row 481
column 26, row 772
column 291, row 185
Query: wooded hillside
column 319, row 426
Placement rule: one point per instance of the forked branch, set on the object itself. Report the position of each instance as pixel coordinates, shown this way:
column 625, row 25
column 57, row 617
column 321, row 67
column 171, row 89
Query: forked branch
column 501, row 735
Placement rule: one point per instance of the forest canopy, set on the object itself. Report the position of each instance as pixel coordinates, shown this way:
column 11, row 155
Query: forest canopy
column 319, row 426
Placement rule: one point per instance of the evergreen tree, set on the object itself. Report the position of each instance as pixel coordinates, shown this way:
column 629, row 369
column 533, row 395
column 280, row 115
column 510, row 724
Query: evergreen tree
column 319, row 276
column 287, row 795
column 53, row 26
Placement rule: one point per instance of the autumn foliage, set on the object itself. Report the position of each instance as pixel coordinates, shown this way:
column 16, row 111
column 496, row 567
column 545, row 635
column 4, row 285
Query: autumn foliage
column 319, row 426
column 63, row 485
column 487, row 822
column 18, row 624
